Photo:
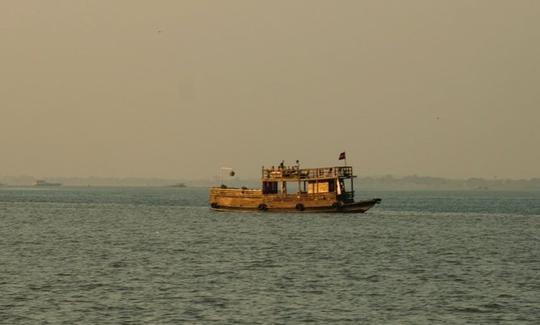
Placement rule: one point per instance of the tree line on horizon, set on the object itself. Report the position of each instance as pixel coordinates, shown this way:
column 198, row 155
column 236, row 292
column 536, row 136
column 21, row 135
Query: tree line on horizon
column 365, row 182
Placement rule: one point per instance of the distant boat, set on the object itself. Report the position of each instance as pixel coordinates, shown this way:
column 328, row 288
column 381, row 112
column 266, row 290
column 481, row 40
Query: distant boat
column 43, row 183
column 178, row 185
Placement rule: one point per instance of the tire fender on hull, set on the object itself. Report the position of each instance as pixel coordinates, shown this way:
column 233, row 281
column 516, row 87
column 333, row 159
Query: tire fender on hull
column 338, row 205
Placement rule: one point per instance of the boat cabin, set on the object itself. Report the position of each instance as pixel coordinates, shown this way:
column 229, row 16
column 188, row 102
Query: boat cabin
column 295, row 189
column 292, row 180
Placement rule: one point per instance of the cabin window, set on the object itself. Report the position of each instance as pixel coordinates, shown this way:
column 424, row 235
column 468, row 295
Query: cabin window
column 292, row 187
column 270, row 187
column 318, row 187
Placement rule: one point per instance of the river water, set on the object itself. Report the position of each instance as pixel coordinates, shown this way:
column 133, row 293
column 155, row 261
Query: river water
column 160, row 256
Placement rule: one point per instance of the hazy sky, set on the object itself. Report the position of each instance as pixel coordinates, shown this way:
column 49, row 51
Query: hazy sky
column 180, row 88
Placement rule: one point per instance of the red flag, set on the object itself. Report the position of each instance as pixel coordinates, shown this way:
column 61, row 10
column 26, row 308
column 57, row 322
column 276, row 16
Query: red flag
column 342, row 156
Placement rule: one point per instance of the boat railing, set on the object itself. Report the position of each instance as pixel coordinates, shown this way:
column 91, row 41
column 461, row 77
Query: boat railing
column 234, row 191
column 306, row 173
column 302, row 197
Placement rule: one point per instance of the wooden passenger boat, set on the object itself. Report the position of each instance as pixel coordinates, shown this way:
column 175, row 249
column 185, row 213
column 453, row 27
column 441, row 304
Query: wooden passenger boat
column 293, row 189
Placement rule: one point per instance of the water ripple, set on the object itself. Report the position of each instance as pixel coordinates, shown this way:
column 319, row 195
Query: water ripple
column 112, row 256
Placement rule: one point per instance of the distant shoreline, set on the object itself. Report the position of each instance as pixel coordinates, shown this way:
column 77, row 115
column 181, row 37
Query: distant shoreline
column 388, row 182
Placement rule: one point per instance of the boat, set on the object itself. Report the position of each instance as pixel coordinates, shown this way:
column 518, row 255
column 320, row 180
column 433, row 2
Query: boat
column 295, row 189
column 43, row 183
column 182, row 185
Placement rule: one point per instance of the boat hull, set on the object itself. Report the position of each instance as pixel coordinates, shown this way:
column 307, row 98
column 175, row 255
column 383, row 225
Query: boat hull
column 354, row 207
